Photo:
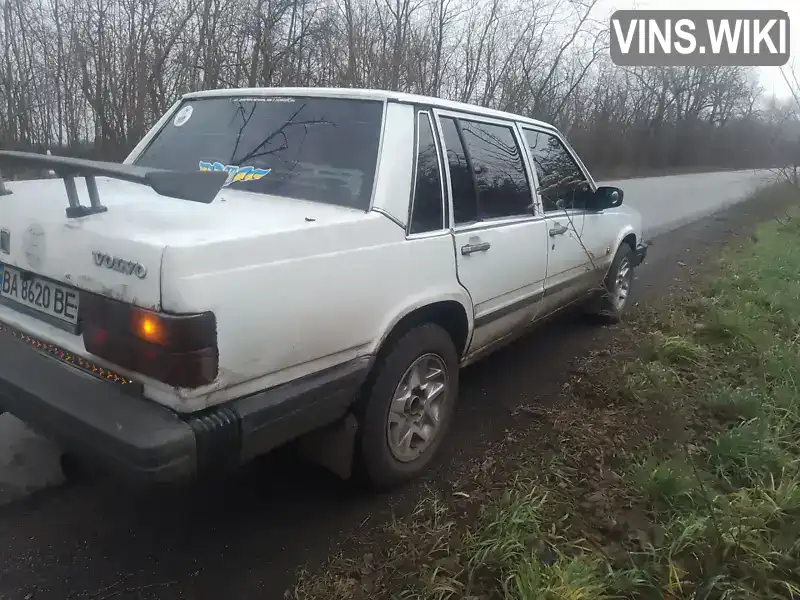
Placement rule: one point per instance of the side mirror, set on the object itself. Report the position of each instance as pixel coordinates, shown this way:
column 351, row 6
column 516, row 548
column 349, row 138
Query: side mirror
column 605, row 197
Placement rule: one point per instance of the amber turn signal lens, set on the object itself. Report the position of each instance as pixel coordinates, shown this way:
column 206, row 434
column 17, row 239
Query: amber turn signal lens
column 149, row 327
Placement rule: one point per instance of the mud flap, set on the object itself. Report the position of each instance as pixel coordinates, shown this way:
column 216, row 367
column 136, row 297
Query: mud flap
column 332, row 446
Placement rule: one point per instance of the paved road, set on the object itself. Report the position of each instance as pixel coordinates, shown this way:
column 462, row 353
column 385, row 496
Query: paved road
column 94, row 540
column 669, row 202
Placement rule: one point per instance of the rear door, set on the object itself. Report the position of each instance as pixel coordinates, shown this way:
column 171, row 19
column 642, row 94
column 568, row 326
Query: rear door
column 562, row 187
column 499, row 238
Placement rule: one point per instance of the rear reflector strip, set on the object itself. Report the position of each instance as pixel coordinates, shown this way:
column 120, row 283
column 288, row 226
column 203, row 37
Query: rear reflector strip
column 67, row 357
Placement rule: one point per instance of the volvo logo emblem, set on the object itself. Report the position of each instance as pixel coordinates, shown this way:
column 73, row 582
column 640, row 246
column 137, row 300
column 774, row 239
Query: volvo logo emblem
column 127, row 267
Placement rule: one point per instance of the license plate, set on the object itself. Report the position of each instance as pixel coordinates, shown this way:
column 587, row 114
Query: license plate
column 41, row 295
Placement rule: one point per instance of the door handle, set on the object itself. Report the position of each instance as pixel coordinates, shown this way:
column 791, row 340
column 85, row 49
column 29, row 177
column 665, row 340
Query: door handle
column 475, row 245
column 559, row 229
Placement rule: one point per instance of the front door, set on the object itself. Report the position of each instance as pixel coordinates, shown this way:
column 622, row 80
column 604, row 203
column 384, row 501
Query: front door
column 562, row 183
column 499, row 243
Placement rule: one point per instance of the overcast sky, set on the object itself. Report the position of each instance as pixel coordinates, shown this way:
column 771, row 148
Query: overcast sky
column 771, row 77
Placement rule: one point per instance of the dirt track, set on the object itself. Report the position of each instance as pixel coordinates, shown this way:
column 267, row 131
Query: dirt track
column 243, row 539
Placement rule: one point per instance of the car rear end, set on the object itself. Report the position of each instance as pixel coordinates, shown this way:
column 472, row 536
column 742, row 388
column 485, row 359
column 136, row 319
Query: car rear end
column 81, row 330
column 98, row 347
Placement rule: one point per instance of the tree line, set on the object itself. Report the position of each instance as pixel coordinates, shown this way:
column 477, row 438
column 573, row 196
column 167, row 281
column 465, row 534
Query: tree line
column 89, row 77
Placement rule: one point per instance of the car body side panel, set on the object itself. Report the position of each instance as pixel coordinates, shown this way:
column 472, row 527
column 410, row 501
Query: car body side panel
column 396, row 163
column 282, row 319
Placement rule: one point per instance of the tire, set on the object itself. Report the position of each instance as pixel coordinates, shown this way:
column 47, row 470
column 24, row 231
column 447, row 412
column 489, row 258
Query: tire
column 382, row 463
column 613, row 304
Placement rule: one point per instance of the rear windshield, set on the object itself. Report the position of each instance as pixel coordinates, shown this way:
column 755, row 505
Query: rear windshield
column 317, row 149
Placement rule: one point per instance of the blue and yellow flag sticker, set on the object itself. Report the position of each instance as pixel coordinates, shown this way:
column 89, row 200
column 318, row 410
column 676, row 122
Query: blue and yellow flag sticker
column 235, row 174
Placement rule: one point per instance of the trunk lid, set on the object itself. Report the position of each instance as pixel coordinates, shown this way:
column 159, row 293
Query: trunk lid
column 118, row 253
column 100, row 256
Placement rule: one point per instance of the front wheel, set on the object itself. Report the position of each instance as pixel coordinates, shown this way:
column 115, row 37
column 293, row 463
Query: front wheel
column 407, row 408
column 618, row 283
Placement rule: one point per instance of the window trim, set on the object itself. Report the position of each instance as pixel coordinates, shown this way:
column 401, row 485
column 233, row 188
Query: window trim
column 522, row 144
column 581, row 167
column 477, row 111
column 470, row 168
column 420, row 113
column 533, row 177
column 449, row 187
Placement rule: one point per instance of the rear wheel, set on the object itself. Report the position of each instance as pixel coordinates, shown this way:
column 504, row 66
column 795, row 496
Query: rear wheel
column 407, row 407
column 618, row 283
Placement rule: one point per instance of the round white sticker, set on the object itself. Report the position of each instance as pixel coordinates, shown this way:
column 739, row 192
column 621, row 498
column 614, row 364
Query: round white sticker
column 183, row 115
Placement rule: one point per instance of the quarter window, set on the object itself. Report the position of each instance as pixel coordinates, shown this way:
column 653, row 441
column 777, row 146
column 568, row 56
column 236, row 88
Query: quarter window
column 427, row 212
column 562, row 183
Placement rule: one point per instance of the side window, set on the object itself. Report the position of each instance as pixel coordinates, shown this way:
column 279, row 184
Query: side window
column 427, row 212
column 465, row 199
column 500, row 178
column 562, row 184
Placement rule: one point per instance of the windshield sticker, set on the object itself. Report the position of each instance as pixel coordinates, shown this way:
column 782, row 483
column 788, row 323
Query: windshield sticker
column 183, row 115
column 264, row 99
column 235, row 174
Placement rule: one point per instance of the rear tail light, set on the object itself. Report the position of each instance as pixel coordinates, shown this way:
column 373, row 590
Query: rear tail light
column 180, row 350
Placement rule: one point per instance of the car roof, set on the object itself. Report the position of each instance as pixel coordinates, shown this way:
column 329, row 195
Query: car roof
column 367, row 94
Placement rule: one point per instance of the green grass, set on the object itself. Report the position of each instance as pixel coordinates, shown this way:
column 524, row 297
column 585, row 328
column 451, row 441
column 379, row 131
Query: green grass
column 705, row 427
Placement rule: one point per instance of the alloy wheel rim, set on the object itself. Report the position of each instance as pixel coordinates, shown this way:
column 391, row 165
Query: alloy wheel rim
column 622, row 285
column 417, row 408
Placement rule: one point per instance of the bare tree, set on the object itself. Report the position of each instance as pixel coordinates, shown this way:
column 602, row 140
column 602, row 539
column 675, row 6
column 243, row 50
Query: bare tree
column 89, row 77
column 791, row 117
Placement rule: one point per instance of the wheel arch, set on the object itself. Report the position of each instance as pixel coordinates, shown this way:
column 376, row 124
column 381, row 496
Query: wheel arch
column 630, row 239
column 627, row 236
column 452, row 314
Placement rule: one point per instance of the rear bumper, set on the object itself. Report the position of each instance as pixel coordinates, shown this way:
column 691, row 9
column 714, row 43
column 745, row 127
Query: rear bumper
column 639, row 254
column 147, row 443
